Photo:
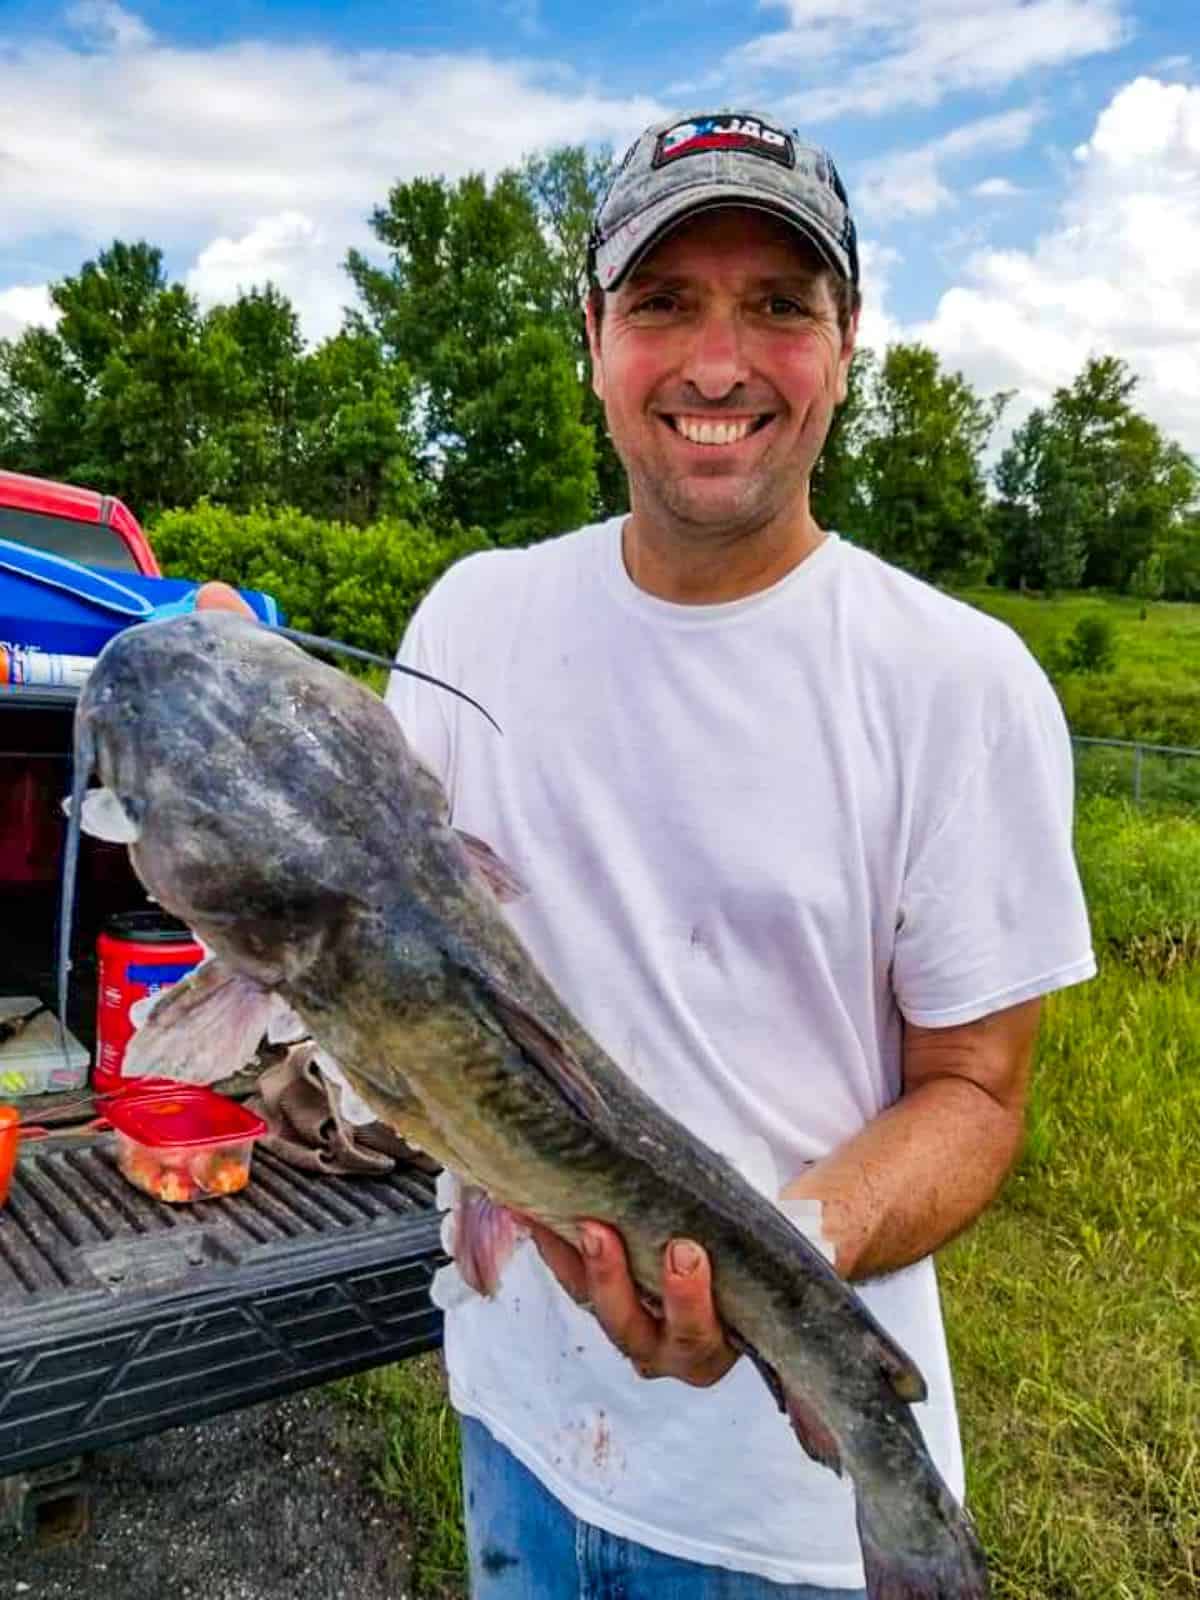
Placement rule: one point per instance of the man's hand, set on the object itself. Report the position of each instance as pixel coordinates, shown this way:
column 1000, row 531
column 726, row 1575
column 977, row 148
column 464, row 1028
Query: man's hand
column 220, row 597
column 686, row 1341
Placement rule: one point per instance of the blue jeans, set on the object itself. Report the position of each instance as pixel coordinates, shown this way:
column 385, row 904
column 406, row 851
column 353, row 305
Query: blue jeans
column 524, row 1545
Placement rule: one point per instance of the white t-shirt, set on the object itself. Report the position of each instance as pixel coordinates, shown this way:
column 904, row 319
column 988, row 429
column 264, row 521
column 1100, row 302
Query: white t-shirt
column 754, row 834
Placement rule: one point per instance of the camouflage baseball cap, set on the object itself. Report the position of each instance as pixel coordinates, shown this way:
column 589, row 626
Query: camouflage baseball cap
column 696, row 163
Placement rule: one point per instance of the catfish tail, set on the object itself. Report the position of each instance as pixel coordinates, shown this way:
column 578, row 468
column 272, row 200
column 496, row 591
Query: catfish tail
column 955, row 1569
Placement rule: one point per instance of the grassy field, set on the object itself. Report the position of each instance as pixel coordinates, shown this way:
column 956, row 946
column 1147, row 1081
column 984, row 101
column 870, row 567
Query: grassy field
column 1073, row 1306
column 1153, row 691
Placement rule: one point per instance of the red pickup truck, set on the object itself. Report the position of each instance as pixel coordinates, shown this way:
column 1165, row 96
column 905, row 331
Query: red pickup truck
column 121, row 1315
column 82, row 524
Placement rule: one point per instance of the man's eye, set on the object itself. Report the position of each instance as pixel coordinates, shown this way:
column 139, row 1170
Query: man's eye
column 782, row 305
column 656, row 302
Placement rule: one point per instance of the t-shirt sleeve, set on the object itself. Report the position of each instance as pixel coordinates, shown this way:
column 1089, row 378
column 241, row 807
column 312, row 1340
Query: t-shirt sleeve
column 992, row 910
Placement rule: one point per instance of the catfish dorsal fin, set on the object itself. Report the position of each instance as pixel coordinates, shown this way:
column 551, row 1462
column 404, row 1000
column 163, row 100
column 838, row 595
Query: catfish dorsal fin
column 493, row 869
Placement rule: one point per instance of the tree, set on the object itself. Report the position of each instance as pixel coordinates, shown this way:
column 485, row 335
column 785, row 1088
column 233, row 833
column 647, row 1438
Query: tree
column 1038, row 518
column 1180, row 550
column 356, row 443
column 136, row 392
column 528, row 422
column 1089, row 488
column 566, row 187
column 838, row 491
column 128, row 391
column 51, row 379
column 472, row 293
column 924, row 503
column 257, row 345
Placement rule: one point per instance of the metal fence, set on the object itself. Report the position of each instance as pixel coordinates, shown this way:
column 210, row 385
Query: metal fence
column 1155, row 774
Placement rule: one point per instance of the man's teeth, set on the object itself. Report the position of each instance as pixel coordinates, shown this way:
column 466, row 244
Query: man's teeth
column 698, row 432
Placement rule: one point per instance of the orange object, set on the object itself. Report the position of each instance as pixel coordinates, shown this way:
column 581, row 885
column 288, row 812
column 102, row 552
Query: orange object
column 10, row 1128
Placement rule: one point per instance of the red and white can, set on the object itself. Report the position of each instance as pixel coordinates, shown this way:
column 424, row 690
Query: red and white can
column 139, row 954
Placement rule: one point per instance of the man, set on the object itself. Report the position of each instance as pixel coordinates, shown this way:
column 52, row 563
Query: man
column 797, row 835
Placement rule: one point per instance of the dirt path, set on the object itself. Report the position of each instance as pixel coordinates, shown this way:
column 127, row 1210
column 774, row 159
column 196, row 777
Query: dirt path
column 269, row 1503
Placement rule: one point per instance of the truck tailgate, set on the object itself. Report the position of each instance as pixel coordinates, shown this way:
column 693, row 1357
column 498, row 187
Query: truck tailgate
column 121, row 1315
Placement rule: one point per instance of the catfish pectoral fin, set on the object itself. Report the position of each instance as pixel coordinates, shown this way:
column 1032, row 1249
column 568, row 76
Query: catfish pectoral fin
column 551, row 1056
column 204, row 1027
column 485, row 1236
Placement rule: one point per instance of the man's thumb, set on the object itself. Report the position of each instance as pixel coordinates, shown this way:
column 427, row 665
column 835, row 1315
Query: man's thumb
column 221, row 597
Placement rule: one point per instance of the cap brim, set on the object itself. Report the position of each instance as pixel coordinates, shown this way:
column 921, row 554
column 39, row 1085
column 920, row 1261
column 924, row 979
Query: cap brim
column 613, row 265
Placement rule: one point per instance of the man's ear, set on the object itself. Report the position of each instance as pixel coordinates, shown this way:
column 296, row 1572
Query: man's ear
column 593, row 334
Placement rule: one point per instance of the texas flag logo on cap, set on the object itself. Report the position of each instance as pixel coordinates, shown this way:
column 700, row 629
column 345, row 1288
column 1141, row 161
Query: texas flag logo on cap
column 747, row 135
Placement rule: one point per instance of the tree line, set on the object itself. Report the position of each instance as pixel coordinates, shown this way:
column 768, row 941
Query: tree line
column 453, row 409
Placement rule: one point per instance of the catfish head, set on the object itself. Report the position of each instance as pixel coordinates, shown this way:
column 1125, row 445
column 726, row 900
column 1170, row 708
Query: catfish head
column 262, row 794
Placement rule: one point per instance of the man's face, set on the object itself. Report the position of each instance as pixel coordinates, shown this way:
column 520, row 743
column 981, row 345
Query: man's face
column 720, row 362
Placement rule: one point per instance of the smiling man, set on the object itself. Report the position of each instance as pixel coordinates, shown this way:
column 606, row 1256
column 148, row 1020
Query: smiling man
column 797, row 835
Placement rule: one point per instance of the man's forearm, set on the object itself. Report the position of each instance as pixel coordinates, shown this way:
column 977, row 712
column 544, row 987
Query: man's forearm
column 914, row 1177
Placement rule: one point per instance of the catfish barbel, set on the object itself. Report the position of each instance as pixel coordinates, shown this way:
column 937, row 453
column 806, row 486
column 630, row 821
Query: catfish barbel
column 271, row 803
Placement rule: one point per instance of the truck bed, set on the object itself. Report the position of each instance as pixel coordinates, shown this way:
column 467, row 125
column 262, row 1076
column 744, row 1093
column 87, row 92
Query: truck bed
column 121, row 1315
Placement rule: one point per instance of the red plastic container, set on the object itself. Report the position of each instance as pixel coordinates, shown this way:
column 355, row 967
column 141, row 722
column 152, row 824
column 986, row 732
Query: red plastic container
column 185, row 1143
column 139, row 954
column 10, row 1119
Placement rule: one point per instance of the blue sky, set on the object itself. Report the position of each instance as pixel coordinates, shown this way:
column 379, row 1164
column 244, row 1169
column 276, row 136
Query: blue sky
column 1026, row 173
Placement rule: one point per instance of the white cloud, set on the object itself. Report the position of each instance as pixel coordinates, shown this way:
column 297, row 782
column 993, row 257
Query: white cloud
column 289, row 250
column 877, row 328
column 23, row 304
column 915, row 52
column 909, row 182
column 995, row 189
column 107, row 23
column 1117, row 273
column 203, row 149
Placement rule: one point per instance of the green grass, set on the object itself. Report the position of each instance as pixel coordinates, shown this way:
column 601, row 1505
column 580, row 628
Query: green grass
column 1072, row 1306
column 1141, row 874
column 1153, row 692
column 421, row 1469
column 1073, row 1309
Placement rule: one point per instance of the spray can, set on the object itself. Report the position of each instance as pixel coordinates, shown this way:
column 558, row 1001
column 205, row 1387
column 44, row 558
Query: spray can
column 139, row 954
column 21, row 667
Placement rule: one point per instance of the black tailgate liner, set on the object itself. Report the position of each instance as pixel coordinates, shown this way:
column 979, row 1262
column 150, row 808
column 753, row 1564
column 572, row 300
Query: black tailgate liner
column 121, row 1315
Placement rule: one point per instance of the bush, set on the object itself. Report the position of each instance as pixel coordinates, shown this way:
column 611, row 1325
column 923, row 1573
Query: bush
column 1091, row 645
column 359, row 585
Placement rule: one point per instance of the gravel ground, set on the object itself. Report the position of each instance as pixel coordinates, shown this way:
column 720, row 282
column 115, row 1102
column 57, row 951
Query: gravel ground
column 270, row 1503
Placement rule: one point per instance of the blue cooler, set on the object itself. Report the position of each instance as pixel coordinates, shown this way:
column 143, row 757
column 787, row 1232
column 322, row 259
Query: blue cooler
column 52, row 604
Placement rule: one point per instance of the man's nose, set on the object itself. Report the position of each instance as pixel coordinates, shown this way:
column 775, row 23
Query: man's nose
column 715, row 361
